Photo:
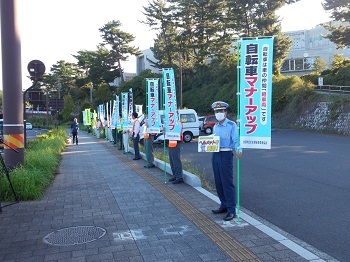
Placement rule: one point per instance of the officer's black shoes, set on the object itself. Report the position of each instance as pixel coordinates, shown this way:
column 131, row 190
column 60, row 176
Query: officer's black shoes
column 178, row 181
column 229, row 216
column 172, row 179
column 219, row 210
column 149, row 166
column 136, row 158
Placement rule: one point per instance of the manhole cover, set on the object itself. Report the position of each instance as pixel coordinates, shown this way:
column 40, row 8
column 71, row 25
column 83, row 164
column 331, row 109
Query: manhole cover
column 74, row 235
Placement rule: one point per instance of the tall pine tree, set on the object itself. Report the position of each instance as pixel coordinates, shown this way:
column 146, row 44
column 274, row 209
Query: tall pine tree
column 340, row 33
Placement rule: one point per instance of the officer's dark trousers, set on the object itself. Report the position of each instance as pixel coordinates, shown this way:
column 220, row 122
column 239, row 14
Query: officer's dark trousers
column 149, row 149
column 136, row 146
column 175, row 161
column 223, row 174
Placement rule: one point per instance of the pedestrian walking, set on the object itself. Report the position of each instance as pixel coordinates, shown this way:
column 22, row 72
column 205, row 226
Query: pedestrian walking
column 222, row 161
column 74, row 128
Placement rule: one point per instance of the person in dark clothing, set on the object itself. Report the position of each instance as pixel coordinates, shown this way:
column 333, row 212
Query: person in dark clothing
column 222, row 161
column 136, row 135
column 148, row 142
column 74, row 128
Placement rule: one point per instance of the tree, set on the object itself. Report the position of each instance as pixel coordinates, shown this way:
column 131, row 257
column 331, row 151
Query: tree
column 201, row 30
column 319, row 65
column 98, row 66
column 340, row 33
column 338, row 62
column 61, row 80
column 119, row 42
column 102, row 95
column 159, row 17
column 69, row 109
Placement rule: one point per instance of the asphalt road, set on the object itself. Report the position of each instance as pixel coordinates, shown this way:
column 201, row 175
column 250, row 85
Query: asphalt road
column 31, row 134
column 301, row 185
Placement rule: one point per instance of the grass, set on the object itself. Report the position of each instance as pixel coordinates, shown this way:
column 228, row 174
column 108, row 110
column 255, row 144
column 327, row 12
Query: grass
column 41, row 160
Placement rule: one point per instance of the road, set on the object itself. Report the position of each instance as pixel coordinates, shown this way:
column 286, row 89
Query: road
column 31, row 134
column 301, row 185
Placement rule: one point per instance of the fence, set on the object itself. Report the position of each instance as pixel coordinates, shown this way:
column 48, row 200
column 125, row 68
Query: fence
column 334, row 89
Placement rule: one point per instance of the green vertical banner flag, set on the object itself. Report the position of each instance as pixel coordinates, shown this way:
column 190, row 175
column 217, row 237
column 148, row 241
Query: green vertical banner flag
column 172, row 125
column 153, row 119
column 125, row 109
column 131, row 107
column 256, row 62
column 84, row 117
column 88, row 116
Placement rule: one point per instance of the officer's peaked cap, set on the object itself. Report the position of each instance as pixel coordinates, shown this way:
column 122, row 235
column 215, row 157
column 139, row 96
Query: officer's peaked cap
column 219, row 105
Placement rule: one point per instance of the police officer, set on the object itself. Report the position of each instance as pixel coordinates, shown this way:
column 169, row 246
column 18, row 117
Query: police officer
column 222, row 161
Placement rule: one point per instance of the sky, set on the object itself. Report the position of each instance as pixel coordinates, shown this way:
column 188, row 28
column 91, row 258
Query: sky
column 53, row 30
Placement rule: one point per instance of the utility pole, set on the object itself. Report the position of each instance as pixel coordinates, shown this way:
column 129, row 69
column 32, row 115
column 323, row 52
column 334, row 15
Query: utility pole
column 12, row 85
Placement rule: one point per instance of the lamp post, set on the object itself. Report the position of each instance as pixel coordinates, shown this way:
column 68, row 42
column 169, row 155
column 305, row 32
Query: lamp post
column 180, row 67
column 91, row 87
column 306, row 55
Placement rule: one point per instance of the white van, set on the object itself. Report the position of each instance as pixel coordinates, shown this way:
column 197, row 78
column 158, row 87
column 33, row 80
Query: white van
column 190, row 124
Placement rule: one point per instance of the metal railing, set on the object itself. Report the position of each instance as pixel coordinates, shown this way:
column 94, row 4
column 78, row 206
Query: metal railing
column 333, row 89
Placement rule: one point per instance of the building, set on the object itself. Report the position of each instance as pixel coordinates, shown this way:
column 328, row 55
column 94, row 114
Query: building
column 127, row 77
column 307, row 46
column 142, row 62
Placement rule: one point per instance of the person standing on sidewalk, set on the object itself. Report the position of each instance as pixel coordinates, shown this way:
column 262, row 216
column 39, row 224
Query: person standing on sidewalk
column 120, row 133
column 149, row 139
column 136, row 135
column 174, row 153
column 222, row 161
column 74, row 128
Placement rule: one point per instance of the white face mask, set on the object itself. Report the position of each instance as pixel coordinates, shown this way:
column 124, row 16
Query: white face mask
column 220, row 116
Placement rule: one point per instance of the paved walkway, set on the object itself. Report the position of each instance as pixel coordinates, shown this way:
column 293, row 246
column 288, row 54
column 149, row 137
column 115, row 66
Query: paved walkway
column 103, row 206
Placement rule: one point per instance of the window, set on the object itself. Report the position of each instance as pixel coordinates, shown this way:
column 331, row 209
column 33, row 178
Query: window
column 186, row 118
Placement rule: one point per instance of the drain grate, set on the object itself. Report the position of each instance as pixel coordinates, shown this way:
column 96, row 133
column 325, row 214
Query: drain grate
column 74, row 235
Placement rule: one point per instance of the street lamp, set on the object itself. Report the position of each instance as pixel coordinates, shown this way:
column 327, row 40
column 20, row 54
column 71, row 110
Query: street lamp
column 180, row 69
column 306, row 55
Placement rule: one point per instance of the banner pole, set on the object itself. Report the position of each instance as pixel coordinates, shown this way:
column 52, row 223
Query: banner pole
column 163, row 108
column 239, row 133
column 144, row 135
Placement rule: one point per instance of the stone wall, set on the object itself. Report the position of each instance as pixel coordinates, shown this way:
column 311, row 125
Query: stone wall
column 323, row 116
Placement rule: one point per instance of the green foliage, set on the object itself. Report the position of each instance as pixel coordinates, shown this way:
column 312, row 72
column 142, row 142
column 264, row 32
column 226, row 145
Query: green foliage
column 138, row 85
column 289, row 91
column 69, row 109
column 41, row 160
column 340, row 33
column 319, row 65
column 102, row 95
column 335, row 106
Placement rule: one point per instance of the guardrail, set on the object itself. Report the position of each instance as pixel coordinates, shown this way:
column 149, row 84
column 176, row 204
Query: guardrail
column 334, row 89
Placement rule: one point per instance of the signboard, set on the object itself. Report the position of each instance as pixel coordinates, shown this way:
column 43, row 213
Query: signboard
column 256, row 93
column 209, row 144
column 320, row 81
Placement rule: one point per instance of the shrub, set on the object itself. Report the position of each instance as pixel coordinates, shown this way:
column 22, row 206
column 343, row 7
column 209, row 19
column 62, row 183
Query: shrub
column 41, row 160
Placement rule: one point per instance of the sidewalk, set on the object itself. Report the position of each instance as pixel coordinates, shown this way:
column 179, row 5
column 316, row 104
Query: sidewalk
column 103, row 206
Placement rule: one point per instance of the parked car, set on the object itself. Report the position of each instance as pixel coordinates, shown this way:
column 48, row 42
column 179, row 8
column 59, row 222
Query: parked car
column 210, row 121
column 29, row 126
column 208, row 124
column 201, row 122
column 190, row 125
